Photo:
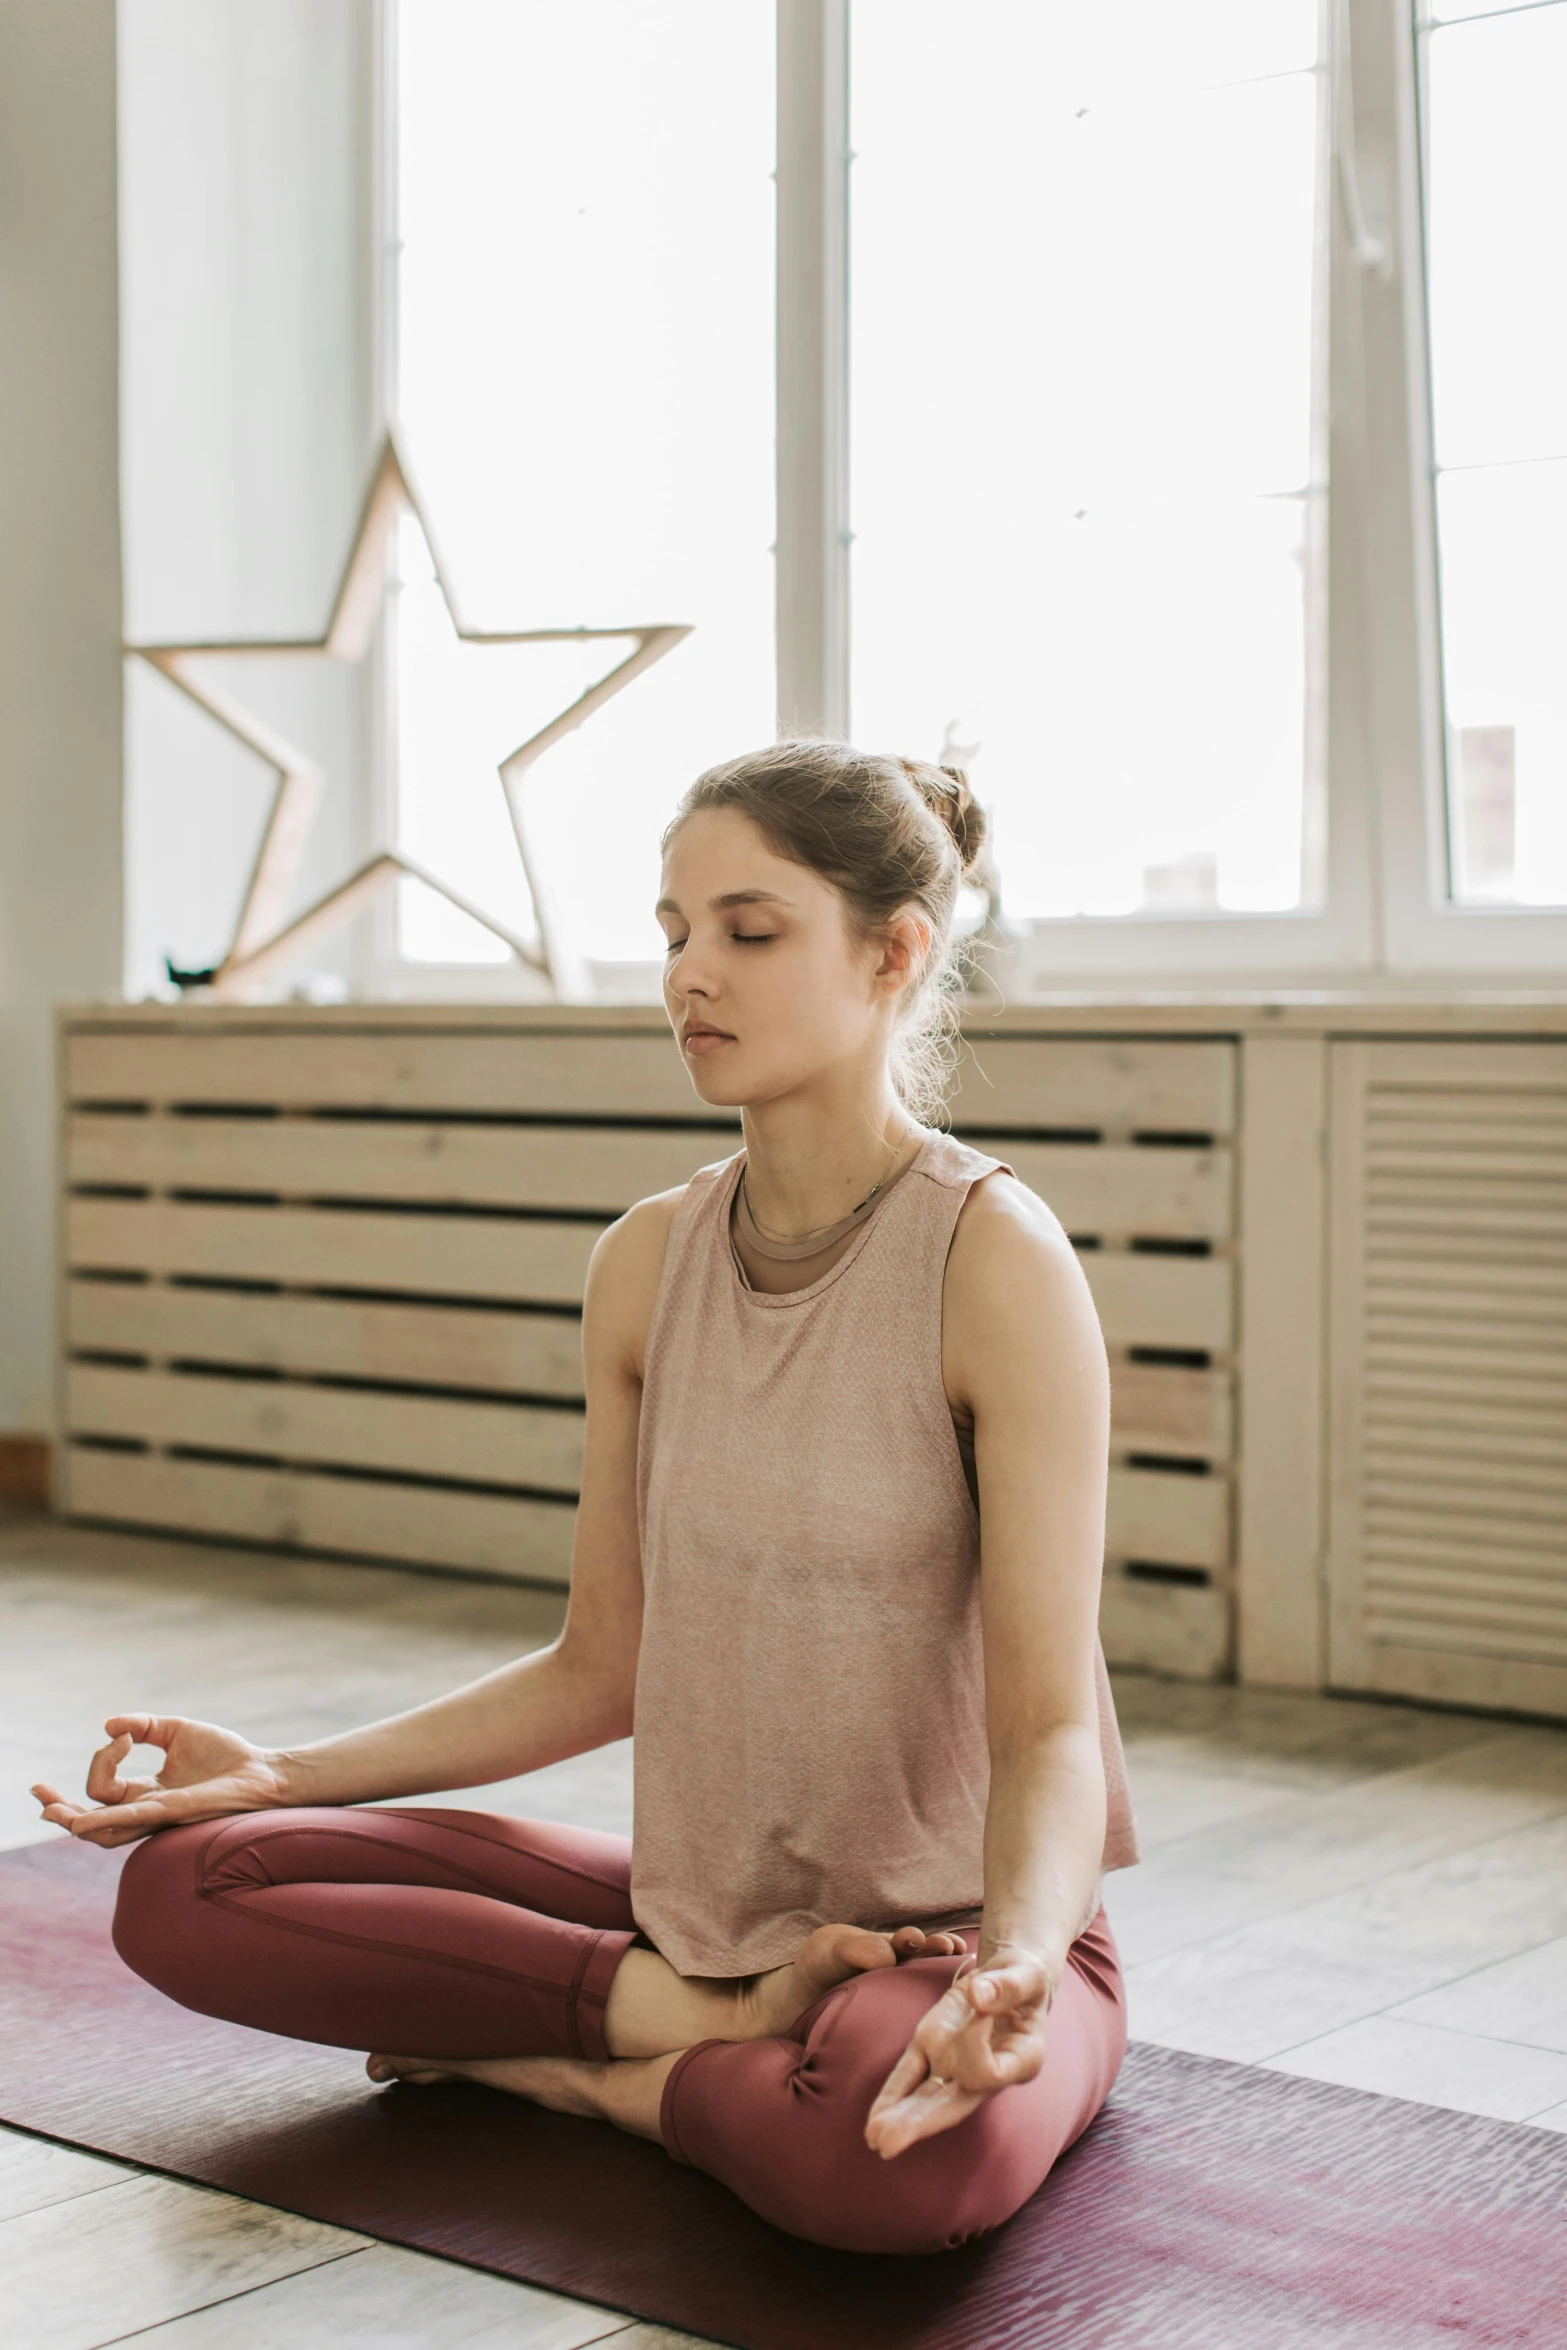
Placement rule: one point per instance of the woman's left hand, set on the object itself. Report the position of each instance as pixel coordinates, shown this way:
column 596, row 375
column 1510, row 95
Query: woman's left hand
column 985, row 2033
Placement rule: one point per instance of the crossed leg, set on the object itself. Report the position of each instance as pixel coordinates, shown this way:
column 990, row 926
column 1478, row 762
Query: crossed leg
column 464, row 1933
column 505, row 1950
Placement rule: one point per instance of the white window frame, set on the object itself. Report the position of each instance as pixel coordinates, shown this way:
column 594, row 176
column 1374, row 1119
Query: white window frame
column 1427, row 930
column 1386, row 914
column 1386, row 909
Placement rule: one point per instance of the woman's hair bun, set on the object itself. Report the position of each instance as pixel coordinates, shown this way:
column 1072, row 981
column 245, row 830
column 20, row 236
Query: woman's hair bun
column 945, row 791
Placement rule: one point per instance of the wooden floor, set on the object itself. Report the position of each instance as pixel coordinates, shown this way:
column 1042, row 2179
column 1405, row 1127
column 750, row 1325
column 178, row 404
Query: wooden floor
column 1361, row 1893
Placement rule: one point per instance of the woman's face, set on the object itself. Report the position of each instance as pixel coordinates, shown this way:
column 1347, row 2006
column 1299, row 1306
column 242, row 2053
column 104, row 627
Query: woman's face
column 765, row 985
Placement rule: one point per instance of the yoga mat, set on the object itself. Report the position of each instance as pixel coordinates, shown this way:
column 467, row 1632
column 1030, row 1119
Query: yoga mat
column 1211, row 2206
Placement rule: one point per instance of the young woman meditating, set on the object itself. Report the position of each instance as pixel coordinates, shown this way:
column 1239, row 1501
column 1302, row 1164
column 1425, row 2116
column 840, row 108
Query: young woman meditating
column 837, row 1565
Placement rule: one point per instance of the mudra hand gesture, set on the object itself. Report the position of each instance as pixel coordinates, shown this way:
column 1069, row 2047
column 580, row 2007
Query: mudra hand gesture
column 206, row 1772
column 985, row 2033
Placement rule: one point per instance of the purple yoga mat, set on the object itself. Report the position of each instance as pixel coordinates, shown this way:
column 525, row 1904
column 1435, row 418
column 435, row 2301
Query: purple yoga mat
column 1211, row 2206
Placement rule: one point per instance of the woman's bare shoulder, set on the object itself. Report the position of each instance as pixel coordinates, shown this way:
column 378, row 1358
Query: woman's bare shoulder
column 1002, row 1223
column 1013, row 1276
column 624, row 1273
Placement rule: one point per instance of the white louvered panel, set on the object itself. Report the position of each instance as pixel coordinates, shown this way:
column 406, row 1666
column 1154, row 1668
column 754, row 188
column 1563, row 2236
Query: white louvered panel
column 1422, row 1383
column 581, row 1169
column 1421, row 1344
column 352, row 1517
column 322, row 1279
column 1458, row 1427
column 1402, row 1319
column 1418, row 1470
column 1411, row 1477
column 1471, row 1287
column 277, row 1061
column 1470, row 1552
column 1448, row 1541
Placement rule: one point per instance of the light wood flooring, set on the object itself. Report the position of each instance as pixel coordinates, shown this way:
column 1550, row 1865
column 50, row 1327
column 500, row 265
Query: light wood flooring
column 1362, row 1893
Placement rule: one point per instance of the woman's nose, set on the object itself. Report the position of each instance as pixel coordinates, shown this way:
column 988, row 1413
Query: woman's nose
column 687, row 972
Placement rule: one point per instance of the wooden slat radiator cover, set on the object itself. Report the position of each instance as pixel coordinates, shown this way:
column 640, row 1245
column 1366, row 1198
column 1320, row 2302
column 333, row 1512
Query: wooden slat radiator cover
column 321, row 1280
column 1448, row 1322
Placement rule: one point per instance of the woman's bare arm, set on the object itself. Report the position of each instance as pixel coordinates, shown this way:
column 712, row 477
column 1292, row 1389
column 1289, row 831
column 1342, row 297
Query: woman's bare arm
column 1039, row 1389
column 1023, row 1353
column 558, row 1701
column 576, row 1693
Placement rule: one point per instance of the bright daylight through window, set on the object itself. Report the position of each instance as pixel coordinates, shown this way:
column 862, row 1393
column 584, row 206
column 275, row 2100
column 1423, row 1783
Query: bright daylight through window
column 1087, row 433
column 1496, row 180
column 585, row 385
column 1088, row 484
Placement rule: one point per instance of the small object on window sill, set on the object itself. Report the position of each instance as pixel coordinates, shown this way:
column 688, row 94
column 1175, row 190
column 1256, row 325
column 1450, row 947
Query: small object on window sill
column 186, row 981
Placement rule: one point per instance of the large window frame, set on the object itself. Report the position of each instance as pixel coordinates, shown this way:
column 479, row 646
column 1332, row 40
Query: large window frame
column 1387, row 915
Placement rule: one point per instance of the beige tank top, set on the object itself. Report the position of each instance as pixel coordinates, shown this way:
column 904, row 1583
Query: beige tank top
column 810, row 1699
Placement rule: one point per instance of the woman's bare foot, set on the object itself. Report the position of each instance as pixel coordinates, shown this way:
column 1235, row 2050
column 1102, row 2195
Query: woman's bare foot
column 628, row 2091
column 771, row 2002
column 652, row 2010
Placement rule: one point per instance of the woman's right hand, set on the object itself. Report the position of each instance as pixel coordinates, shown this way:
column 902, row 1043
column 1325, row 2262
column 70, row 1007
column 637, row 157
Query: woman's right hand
column 206, row 1772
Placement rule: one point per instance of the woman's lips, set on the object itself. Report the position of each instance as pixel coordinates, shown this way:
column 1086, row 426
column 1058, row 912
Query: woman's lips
column 703, row 1040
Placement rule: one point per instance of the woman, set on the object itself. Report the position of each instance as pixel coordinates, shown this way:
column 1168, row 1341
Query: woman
column 837, row 1563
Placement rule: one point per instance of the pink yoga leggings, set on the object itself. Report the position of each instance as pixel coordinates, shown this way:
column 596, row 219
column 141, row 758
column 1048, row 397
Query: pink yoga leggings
column 467, row 1934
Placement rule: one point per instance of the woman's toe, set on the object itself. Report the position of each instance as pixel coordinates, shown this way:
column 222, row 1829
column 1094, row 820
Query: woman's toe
column 914, row 1942
column 403, row 2068
column 833, row 1953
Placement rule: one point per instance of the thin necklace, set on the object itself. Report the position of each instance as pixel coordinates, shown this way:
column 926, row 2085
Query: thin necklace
column 785, row 1247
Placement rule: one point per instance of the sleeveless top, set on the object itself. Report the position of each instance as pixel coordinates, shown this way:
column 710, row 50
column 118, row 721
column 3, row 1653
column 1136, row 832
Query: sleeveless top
column 810, row 1702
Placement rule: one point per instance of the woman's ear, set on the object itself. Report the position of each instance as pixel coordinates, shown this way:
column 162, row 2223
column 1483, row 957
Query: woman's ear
column 905, row 947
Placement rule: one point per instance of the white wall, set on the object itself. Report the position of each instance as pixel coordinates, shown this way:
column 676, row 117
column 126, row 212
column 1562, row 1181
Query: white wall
column 246, row 140
column 60, row 699
column 236, row 151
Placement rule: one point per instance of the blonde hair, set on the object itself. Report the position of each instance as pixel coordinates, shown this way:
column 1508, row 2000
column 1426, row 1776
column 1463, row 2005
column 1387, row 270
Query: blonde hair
column 887, row 833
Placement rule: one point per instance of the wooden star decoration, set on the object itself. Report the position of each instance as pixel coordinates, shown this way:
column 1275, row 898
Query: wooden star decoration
column 266, row 934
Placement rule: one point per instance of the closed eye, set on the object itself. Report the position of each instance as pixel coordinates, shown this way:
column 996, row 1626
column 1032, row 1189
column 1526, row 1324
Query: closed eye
column 742, row 938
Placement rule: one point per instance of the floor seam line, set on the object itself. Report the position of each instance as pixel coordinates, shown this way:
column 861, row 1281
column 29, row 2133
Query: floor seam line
column 57, row 2202
column 1527, row 1951
column 139, row 2333
column 1389, row 1877
column 1462, row 2032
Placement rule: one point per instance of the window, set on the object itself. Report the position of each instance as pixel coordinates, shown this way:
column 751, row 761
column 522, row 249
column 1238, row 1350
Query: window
column 1170, row 422
column 584, row 364
column 1087, row 482
column 1494, row 86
